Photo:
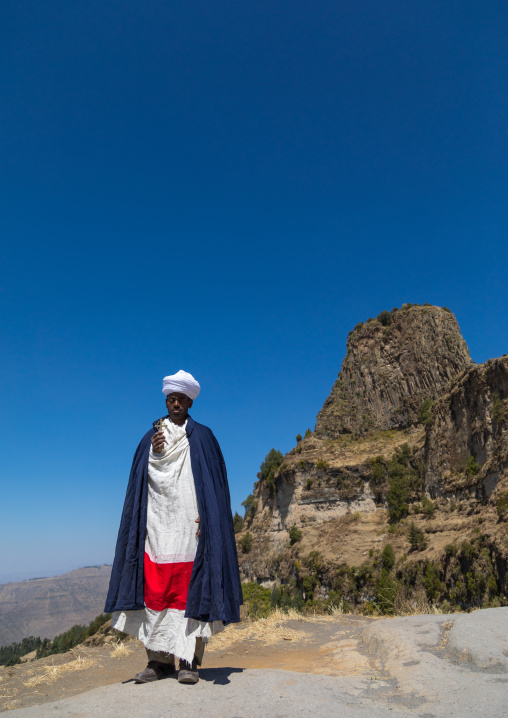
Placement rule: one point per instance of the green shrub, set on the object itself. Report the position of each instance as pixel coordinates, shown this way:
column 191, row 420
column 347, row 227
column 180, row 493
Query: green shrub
column 238, row 522
column 251, row 506
column 458, row 593
column 298, row 438
column 309, row 584
column 468, row 550
column 388, row 557
column 404, row 482
column 451, row 549
column 308, row 484
column 433, row 584
column 257, row 599
column 308, row 433
column 269, row 467
column 387, row 593
column 321, row 464
column 246, row 542
column 416, row 538
column 273, row 598
column 447, row 310
column 378, row 477
column 492, row 587
column 472, row 467
column 286, row 597
column 471, row 583
column 385, row 318
column 497, row 408
column 378, row 470
column 314, row 561
column 425, row 415
column 334, row 600
column 397, row 497
column 294, row 535
column 502, row 505
column 428, row 506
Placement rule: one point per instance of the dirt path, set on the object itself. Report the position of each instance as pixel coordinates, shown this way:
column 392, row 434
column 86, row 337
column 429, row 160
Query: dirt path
column 328, row 646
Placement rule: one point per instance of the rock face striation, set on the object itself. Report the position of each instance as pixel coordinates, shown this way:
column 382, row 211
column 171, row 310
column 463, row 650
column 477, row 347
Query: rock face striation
column 392, row 365
column 466, row 446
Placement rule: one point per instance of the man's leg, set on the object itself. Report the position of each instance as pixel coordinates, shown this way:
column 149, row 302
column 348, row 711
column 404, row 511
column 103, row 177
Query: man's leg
column 188, row 672
column 159, row 666
column 161, row 657
column 199, row 651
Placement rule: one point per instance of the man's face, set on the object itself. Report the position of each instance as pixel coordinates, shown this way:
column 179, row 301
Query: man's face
column 178, row 405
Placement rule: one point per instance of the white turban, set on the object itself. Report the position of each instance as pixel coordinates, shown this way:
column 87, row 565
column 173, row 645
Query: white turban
column 181, row 382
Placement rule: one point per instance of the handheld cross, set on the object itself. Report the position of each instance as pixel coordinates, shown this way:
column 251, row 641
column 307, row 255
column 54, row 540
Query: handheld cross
column 159, row 425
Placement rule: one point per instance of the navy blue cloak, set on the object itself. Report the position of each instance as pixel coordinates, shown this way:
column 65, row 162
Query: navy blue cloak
column 215, row 592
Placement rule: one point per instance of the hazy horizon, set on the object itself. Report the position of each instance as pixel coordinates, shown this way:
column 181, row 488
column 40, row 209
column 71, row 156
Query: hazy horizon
column 20, row 576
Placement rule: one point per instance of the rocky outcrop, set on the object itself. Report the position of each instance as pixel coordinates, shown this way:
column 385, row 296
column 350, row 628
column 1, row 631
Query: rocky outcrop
column 444, row 469
column 322, row 480
column 467, row 441
column 393, row 363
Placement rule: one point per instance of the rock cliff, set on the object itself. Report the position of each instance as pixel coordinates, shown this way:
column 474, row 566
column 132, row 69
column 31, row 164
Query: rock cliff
column 393, row 363
column 466, row 446
column 410, row 449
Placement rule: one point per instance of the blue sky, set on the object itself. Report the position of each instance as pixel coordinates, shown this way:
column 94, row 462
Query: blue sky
column 225, row 188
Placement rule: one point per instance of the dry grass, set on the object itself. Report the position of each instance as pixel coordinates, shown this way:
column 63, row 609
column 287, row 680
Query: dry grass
column 272, row 629
column 347, row 451
column 265, row 630
column 336, row 611
column 415, row 604
column 50, row 674
column 120, row 650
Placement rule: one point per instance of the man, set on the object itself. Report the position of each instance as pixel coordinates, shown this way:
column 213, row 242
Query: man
column 173, row 586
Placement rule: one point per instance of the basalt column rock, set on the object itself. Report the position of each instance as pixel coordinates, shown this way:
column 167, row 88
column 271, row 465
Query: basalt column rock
column 467, row 443
column 393, row 363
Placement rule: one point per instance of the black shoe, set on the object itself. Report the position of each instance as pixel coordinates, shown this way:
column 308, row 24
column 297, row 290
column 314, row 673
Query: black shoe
column 188, row 673
column 154, row 672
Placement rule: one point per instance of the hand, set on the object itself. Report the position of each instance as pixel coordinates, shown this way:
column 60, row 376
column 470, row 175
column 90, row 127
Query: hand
column 158, row 442
column 198, row 521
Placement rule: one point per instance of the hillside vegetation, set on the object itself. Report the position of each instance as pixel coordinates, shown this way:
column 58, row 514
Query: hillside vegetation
column 12, row 654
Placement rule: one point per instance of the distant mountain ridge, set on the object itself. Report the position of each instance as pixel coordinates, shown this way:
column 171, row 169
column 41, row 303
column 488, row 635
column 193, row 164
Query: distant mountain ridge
column 47, row 606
